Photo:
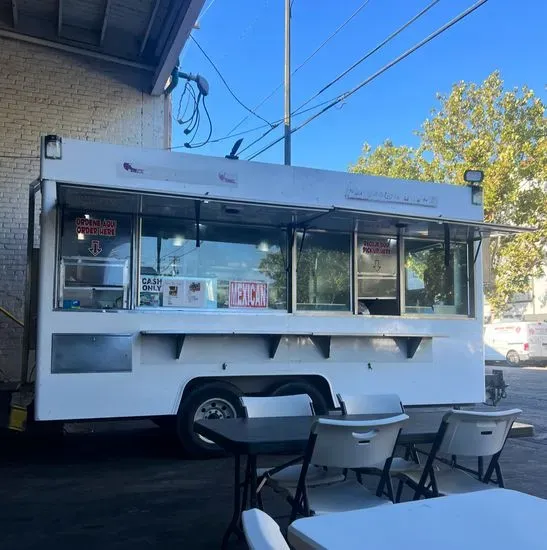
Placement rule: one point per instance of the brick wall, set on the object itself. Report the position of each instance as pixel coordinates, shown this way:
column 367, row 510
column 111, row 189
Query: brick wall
column 45, row 91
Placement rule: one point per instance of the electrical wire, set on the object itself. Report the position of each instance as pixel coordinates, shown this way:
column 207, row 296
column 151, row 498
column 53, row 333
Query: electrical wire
column 372, row 51
column 323, row 44
column 206, row 141
column 276, row 123
column 392, row 63
column 299, row 110
column 225, row 83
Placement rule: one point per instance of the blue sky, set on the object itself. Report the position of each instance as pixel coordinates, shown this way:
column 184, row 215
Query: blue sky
column 245, row 39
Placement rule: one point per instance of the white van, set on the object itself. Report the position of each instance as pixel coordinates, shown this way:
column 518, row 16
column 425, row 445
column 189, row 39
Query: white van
column 516, row 342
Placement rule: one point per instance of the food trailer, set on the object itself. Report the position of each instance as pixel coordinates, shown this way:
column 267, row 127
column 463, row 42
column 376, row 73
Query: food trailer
column 171, row 284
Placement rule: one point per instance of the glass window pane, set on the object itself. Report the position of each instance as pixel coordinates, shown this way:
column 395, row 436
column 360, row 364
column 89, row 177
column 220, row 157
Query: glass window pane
column 234, row 266
column 95, row 260
column 324, row 272
column 376, row 267
column 431, row 286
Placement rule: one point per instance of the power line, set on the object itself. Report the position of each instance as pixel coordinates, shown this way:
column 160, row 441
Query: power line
column 299, row 110
column 324, row 43
column 395, row 61
column 275, row 124
column 225, row 83
column 372, row 51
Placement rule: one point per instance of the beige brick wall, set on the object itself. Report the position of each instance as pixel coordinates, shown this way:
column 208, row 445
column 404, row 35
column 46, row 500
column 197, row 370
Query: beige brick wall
column 45, row 91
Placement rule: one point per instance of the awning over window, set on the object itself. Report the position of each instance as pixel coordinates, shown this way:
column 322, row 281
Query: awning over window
column 375, row 223
column 328, row 219
column 98, row 200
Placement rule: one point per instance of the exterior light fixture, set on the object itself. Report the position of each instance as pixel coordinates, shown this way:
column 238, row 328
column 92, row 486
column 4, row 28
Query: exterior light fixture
column 53, row 147
column 474, row 179
column 263, row 246
column 178, row 240
column 81, row 237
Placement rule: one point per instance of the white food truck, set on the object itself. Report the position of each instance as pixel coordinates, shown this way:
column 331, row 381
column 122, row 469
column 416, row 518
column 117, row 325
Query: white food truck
column 517, row 343
column 170, row 284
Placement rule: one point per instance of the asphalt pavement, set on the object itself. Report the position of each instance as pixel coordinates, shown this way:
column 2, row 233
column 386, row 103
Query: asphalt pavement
column 128, row 487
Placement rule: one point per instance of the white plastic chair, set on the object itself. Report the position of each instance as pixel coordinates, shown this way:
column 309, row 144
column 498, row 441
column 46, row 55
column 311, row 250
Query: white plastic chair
column 388, row 403
column 282, row 405
column 476, row 434
column 262, row 532
column 284, row 476
column 346, row 444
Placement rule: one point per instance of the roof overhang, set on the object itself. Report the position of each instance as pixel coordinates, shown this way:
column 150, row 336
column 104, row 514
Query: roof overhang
column 147, row 35
column 225, row 211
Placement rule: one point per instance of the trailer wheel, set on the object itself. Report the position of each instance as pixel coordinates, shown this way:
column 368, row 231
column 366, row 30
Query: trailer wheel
column 217, row 400
column 301, row 386
column 513, row 358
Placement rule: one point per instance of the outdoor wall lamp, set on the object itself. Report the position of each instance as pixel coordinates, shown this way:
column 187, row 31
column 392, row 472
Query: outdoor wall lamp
column 53, row 147
column 474, row 179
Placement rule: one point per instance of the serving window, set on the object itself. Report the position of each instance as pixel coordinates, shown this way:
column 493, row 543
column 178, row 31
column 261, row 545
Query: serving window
column 212, row 266
column 95, row 260
column 436, row 279
column 323, row 271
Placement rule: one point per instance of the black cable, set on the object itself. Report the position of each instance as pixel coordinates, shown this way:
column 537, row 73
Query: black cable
column 323, row 44
column 225, row 83
column 371, row 52
column 275, row 124
column 398, row 59
column 206, row 141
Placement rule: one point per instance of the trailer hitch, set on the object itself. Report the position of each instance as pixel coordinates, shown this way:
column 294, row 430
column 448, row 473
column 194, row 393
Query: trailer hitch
column 495, row 387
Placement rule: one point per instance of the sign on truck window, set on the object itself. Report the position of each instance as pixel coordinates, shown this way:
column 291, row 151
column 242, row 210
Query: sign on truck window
column 248, row 294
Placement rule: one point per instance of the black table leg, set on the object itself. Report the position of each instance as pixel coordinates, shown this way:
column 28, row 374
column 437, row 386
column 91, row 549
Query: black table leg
column 234, row 526
column 253, row 480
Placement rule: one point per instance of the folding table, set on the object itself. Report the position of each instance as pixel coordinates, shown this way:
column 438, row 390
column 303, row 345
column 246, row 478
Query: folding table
column 289, row 435
column 494, row 518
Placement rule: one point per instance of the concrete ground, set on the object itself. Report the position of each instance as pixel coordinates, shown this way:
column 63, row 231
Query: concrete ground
column 130, row 488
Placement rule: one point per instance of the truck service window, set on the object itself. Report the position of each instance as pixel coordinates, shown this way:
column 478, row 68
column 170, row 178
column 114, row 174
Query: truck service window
column 377, row 275
column 323, row 272
column 431, row 286
column 95, row 259
column 234, row 266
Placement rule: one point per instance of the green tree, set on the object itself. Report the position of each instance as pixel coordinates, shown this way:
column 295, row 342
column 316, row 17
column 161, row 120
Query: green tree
column 503, row 133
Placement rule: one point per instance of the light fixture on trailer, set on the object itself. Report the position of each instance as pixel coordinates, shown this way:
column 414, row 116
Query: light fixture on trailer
column 474, row 179
column 53, row 147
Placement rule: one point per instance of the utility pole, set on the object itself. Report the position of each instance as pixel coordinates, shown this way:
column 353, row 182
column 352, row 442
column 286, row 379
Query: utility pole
column 287, row 84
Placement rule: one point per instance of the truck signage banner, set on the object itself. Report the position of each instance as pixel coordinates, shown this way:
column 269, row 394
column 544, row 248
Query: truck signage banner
column 248, row 294
column 151, row 284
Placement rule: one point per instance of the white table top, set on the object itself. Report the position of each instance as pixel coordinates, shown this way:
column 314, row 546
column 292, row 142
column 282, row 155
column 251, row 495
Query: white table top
column 495, row 518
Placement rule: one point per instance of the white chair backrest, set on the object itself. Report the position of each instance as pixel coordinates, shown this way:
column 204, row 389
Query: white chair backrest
column 282, row 405
column 476, row 433
column 353, row 443
column 388, row 403
column 262, row 532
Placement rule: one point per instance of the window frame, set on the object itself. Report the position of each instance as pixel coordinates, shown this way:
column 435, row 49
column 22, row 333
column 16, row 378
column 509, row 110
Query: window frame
column 231, row 311
column 294, row 273
column 62, row 210
column 471, row 313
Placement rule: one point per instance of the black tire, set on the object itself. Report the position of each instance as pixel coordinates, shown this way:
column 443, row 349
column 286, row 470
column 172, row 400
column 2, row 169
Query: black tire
column 513, row 358
column 297, row 387
column 223, row 398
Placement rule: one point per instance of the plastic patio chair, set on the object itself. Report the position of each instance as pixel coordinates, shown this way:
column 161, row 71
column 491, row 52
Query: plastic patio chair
column 287, row 475
column 346, row 444
column 389, row 403
column 262, row 532
column 462, row 434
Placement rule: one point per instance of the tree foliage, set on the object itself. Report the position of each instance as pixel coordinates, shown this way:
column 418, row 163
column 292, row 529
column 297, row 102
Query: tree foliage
column 503, row 133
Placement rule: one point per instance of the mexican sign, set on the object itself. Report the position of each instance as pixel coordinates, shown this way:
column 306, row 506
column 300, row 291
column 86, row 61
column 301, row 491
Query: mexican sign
column 248, row 294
